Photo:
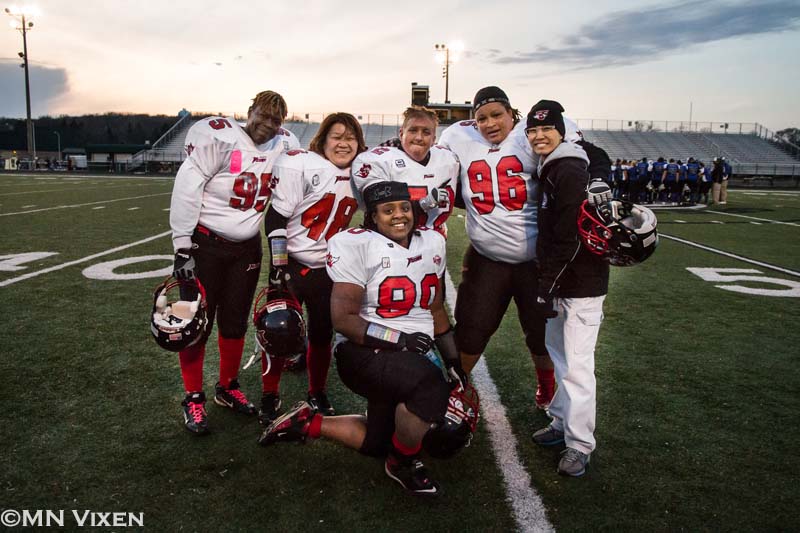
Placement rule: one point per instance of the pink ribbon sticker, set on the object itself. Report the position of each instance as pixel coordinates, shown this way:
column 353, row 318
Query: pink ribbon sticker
column 236, row 161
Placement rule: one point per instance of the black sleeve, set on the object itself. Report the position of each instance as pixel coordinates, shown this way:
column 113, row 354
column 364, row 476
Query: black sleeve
column 274, row 221
column 569, row 181
column 599, row 162
column 459, row 200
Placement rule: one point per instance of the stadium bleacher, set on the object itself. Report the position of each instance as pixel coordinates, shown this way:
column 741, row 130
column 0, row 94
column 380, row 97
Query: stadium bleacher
column 750, row 154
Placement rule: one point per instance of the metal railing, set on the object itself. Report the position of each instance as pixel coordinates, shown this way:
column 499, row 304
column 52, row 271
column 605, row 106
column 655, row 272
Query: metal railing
column 747, row 128
column 141, row 157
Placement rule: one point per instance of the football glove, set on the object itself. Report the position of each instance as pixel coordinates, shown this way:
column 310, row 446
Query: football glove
column 446, row 344
column 415, row 342
column 278, row 278
column 184, row 267
column 598, row 192
column 438, row 197
column 544, row 307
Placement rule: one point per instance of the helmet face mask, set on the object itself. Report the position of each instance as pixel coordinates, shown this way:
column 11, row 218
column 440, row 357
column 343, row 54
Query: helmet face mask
column 178, row 323
column 621, row 232
column 460, row 421
column 280, row 329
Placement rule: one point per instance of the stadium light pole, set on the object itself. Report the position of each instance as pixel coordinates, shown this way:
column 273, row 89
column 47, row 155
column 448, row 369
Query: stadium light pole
column 443, row 57
column 23, row 25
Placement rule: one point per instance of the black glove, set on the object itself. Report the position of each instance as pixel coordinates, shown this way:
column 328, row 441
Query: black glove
column 184, row 267
column 544, row 307
column 278, row 278
column 446, row 344
column 415, row 342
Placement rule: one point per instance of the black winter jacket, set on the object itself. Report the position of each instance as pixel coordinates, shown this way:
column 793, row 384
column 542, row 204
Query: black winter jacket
column 566, row 268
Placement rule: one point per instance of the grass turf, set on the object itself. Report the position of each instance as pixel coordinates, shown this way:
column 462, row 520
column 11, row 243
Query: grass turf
column 697, row 393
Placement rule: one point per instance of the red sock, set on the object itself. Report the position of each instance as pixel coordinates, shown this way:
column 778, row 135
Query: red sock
column 403, row 449
column 230, row 357
column 318, row 358
column 191, row 360
column 546, row 378
column 315, row 427
column 271, row 382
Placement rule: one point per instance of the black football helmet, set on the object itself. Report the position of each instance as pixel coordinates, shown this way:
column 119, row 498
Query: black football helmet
column 620, row 231
column 179, row 313
column 279, row 324
column 444, row 440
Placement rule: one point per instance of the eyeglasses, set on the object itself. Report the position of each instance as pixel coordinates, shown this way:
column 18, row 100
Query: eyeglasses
column 539, row 129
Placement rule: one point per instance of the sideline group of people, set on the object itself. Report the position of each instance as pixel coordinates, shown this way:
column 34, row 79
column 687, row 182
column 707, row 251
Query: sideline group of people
column 379, row 288
column 670, row 182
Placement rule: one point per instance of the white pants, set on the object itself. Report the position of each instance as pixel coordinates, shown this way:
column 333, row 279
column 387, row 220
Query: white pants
column 570, row 340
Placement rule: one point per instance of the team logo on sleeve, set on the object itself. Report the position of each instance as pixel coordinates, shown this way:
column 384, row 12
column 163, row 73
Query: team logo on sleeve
column 330, row 259
column 437, row 260
column 363, row 172
column 189, row 149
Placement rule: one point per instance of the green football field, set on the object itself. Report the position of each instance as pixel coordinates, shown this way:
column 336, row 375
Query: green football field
column 697, row 364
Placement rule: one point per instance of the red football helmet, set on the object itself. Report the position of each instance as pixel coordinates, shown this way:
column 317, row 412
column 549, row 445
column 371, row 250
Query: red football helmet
column 178, row 323
column 620, row 231
column 460, row 422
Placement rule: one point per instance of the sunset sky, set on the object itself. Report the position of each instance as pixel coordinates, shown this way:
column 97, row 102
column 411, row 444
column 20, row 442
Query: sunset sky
column 638, row 60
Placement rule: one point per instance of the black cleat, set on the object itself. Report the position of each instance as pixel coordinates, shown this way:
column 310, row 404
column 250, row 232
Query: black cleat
column 319, row 401
column 194, row 413
column 270, row 405
column 289, row 427
column 412, row 476
column 233, row 398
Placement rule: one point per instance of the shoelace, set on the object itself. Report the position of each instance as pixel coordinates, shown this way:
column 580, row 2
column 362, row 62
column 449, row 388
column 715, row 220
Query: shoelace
column 196, row 411
column 237, row 395
column 572, row 455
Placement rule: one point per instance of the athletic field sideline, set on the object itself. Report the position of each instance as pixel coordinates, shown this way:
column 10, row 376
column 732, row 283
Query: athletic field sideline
column 697, row 374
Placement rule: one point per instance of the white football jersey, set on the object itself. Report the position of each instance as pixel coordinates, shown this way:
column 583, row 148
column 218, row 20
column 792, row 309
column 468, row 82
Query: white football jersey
column 393, row 164
column 499, row 189
column 224, row 183
column 316, row 196
column 400, row 282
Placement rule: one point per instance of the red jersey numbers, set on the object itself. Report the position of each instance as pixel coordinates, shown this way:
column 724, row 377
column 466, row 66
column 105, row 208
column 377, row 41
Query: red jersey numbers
column 398, row 294
column 316, row 217
column 512, row 191
column 251, row 192
column 219, row 123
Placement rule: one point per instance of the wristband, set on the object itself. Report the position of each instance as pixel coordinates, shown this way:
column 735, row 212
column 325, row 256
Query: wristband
column 381, row 336
column 280, row 252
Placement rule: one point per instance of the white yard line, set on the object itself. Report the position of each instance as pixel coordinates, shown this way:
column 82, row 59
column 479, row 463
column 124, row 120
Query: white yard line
column 753, row 218
column 104, row 188
column 734, row 256
column 82, row 260
column 529, row 511
column 83, row 205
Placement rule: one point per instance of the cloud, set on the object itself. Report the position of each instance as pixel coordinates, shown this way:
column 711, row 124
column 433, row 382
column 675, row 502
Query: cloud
column 47, row 85
column 639, row 35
